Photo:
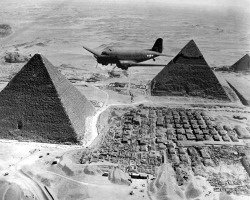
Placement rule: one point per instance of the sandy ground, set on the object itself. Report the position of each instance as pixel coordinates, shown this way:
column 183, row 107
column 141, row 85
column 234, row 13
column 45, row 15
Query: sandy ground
column 36, row 160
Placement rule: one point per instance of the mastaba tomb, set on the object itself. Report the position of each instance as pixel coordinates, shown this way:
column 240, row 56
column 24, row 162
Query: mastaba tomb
column 188, row 74
column 40, row 104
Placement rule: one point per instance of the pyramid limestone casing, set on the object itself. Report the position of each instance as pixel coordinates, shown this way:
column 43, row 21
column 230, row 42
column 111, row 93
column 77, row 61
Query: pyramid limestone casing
column 43, row 104
column 188, row 74
column 242, row 64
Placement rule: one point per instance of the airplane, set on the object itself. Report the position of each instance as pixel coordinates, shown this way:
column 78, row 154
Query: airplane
column 124, row 58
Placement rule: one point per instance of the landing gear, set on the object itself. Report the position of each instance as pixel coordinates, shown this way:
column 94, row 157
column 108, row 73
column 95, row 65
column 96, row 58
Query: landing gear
column 153, row 59
column 125, row 68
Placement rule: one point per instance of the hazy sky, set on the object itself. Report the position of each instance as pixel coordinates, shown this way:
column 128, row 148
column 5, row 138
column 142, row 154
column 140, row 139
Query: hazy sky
column 210, row 2
column 245, row 4
column 200, row 2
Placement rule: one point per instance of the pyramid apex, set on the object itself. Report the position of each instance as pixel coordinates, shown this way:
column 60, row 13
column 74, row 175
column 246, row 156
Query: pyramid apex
column 191, row 41
column 190, row 53
column 191, row 50
column 36, row 56
column 38, row 60
column 246, row 56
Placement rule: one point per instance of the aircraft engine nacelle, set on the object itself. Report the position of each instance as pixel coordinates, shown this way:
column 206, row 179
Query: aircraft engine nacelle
column 102, row 61
column 105, row 64
column 122, row 66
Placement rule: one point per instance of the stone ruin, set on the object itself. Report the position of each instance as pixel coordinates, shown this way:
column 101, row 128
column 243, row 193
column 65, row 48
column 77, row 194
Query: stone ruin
column 188, row 74
column 242, row 64
column 40, row 104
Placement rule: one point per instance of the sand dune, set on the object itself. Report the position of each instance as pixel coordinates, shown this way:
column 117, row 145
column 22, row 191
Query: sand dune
column 193, row 190
column 117, row 176
column 92, row 170
column 164, row 187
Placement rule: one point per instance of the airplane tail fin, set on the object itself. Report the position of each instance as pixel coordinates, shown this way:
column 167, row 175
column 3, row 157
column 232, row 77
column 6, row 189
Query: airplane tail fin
column 158, row 46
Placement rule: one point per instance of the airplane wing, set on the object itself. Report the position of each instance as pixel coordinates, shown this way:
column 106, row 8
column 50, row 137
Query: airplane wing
column 93, row 51
column 128, row 63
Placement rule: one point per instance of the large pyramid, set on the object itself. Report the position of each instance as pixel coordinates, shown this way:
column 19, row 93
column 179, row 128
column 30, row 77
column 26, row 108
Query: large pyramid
column 40, row 104
column 188, row 74
column 242, row 64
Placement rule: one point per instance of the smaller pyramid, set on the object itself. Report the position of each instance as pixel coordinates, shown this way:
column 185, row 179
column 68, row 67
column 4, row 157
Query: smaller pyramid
column 242, row 64
column 188, row 74
column 40, row 104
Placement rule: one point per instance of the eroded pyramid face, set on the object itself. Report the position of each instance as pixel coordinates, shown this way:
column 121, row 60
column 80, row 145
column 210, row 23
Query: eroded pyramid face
column 40, row 104
column 188, row 74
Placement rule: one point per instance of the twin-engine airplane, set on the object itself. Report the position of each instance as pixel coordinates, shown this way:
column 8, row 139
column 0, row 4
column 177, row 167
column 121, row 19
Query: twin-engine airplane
column 127, row 57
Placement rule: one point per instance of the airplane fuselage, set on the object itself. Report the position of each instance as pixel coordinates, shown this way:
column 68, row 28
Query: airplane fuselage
column 126, row 54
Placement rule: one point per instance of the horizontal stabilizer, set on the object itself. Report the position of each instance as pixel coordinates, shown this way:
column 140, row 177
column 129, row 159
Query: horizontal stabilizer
column 161, row 54
column 167, row 55
column 145, row 65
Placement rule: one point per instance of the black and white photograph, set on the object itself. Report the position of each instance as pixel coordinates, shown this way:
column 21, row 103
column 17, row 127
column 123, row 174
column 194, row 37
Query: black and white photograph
column 125, row 100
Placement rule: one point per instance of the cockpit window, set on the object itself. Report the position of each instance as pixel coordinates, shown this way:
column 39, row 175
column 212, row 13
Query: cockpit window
column 105, row 53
